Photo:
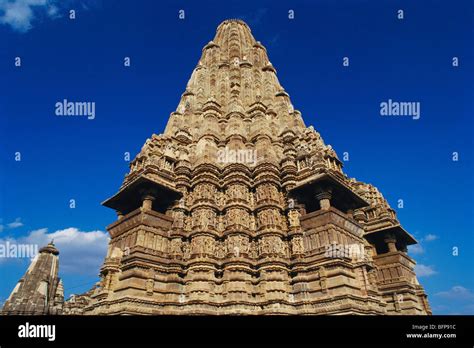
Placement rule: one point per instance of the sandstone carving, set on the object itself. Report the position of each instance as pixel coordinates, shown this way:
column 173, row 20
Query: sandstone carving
column 238, row 193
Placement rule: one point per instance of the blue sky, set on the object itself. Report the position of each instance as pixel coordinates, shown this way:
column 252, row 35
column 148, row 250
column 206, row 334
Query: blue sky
column 81, row 59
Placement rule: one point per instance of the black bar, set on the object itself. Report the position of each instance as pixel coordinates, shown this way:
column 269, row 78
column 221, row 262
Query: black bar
column 243, row 330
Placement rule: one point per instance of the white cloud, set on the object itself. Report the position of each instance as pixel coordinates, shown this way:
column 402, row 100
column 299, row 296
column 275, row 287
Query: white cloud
column 457, row 300
column 457, row 293
column 15, row 224
column 20, row 14
column 424, row 271
column 416, row 249
column 79, row 252
column 431, row 237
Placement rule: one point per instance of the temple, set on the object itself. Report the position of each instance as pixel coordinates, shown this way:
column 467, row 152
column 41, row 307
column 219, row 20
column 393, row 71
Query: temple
column 284, row 233
column 39, row 291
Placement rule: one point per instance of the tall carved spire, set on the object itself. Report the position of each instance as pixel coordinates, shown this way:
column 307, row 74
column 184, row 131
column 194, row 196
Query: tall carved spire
column 235, row 75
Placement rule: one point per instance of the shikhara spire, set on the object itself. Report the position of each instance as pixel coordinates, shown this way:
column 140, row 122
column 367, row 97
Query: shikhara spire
column 235, row 80
column 40, row 290
column 239, row 208
column 234, row 71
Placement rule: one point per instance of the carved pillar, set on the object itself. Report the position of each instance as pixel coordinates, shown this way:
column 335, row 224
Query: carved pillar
column 324, row 199
column 396, row 301
column 150, row 282
column 391, row 241
column 323, row 279
column 108, row 279
column 119, row 215
column 147, row 202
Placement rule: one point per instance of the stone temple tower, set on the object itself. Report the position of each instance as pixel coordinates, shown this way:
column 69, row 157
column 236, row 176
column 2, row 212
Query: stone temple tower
column 239, row 208
column 39, row 291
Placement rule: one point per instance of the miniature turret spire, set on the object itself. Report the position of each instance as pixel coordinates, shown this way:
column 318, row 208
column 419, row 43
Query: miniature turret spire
column 40, row 290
